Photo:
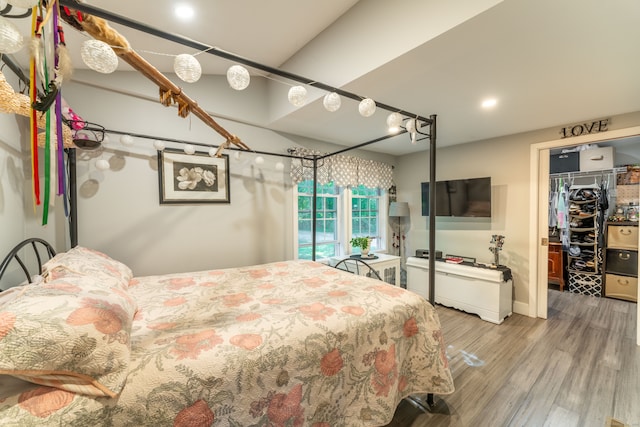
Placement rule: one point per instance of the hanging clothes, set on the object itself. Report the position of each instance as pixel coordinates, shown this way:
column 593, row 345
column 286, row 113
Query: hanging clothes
column 553, row 205
column 563, row 214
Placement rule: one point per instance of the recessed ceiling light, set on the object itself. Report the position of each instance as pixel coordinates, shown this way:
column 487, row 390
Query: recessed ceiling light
column 489, row 103
column 184, row 11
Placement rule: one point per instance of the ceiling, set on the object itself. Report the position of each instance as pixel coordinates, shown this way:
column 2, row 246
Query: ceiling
column 548, row 63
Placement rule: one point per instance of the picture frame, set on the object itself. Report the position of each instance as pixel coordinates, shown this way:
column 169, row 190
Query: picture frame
column 192, row 178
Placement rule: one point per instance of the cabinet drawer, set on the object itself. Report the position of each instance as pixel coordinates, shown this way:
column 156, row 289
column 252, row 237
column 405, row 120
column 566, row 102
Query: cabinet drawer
column 622, row 236
column 622, row 261
column 622, row 287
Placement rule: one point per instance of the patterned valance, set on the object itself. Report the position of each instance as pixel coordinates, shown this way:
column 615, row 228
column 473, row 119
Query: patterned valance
column 344, row 171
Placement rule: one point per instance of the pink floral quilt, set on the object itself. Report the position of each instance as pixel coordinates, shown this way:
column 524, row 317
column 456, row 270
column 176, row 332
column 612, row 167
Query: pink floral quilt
column 291, row 343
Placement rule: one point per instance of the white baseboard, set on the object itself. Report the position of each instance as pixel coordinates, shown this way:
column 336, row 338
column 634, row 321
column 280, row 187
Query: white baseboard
column 521, row 308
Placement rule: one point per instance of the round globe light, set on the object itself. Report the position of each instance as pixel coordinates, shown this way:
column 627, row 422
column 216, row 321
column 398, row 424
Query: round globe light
column 189, row 149
column 158, row 145
column 259, row 160
column 279, row 166
column 24, row 4
column 126, row 140
column 187, row 68
column 332, row 102
column 11, row 41
column 297, row 96
column 394, row 120
column 102, row 164
column 99, row 56
column 238, row 77
column 367, row 107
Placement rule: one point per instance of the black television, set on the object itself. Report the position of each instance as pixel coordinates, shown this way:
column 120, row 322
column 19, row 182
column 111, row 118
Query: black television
column 460, row 198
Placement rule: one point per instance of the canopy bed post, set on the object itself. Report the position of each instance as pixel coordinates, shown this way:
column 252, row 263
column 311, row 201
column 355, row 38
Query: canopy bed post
column 432, row 210
column 314, row 208
column 73, row 197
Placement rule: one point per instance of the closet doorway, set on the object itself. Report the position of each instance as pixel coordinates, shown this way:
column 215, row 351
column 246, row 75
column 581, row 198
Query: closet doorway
column 539, row 198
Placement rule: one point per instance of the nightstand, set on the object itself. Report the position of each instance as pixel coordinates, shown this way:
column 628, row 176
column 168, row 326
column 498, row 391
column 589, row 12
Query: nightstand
column 387, row 267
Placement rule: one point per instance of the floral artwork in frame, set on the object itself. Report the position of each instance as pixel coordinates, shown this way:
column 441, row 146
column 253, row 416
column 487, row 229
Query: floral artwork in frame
column 193, row 178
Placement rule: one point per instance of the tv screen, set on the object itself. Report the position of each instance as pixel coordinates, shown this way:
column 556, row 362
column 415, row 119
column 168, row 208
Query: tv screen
column 460, row 197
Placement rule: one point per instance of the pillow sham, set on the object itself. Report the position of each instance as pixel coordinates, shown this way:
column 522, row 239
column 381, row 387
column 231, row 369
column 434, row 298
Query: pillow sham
column 81, row 260
column 72, row 333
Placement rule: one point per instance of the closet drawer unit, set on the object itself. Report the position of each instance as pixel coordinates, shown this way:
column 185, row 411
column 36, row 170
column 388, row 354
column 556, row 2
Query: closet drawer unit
column 622, row 237
column 596, row 159
column 564, row 162
column 622, row 287
column 622, row 262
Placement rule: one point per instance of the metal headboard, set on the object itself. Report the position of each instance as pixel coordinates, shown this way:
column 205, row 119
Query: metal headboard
column 353, row 265
column 42, row 250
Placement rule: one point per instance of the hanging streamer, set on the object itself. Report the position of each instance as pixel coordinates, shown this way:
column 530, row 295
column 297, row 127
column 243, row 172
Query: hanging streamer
column 33, row 117
column 58, row 40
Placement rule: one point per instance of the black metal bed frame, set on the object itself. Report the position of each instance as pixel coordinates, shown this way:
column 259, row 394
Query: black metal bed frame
column 430, row 121
column 42, row 250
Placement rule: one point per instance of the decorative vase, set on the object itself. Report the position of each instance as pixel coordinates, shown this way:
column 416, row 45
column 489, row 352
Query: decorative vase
column 365, row 252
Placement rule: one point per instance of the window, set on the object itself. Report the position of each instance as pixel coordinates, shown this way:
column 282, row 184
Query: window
column 341, row 214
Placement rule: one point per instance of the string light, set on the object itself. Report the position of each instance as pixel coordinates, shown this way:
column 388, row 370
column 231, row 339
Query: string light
column 187, row 68
column 367, row 107
column 332, row 102
column 297, row 96
column 11, row 41
column 99, row 56
column 238, row 77
column 158, row 145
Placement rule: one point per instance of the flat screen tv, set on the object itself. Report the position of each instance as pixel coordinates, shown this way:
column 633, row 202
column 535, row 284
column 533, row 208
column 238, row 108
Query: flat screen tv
column 460, row 198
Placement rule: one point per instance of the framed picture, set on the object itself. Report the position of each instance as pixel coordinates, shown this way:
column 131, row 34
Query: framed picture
column 195, row 178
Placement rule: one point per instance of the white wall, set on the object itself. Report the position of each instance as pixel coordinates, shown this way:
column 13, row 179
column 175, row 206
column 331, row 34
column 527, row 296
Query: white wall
column 506, row 160
column 119, row 211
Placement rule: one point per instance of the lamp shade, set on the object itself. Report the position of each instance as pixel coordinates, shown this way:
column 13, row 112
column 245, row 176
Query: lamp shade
column 398, row 209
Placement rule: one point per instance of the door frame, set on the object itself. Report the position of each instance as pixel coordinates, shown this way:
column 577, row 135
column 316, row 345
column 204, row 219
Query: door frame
column 538, row 228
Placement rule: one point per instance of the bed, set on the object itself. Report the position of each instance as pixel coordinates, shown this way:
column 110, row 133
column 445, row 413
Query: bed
column 288, row 343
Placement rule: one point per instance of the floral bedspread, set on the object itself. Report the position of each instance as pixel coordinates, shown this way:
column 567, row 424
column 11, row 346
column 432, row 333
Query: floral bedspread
column 291, row 343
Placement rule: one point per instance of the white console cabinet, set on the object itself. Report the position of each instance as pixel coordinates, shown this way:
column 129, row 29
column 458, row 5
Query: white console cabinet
column 478, row 290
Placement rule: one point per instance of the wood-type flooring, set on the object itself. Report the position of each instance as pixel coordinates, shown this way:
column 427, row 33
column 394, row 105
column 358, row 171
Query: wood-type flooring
column 578, row 368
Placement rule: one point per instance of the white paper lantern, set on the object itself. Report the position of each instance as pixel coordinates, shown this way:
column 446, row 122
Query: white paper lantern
column 11, row 41
column 187, row 68
column 99, row 56
column 189, row 149
column 411, row 125
column 332, row 102
column 238, row 77
column 102, row 164
column 297, row 96
column 24, row 4
column 158, row 145
column 126, row 140
column 367, row 107
column 394, row 120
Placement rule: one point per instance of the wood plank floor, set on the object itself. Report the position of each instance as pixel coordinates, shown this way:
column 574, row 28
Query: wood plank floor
column 579, row 368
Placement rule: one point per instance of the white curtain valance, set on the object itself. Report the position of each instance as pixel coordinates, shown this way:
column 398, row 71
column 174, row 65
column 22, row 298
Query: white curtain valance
column 344, row 171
